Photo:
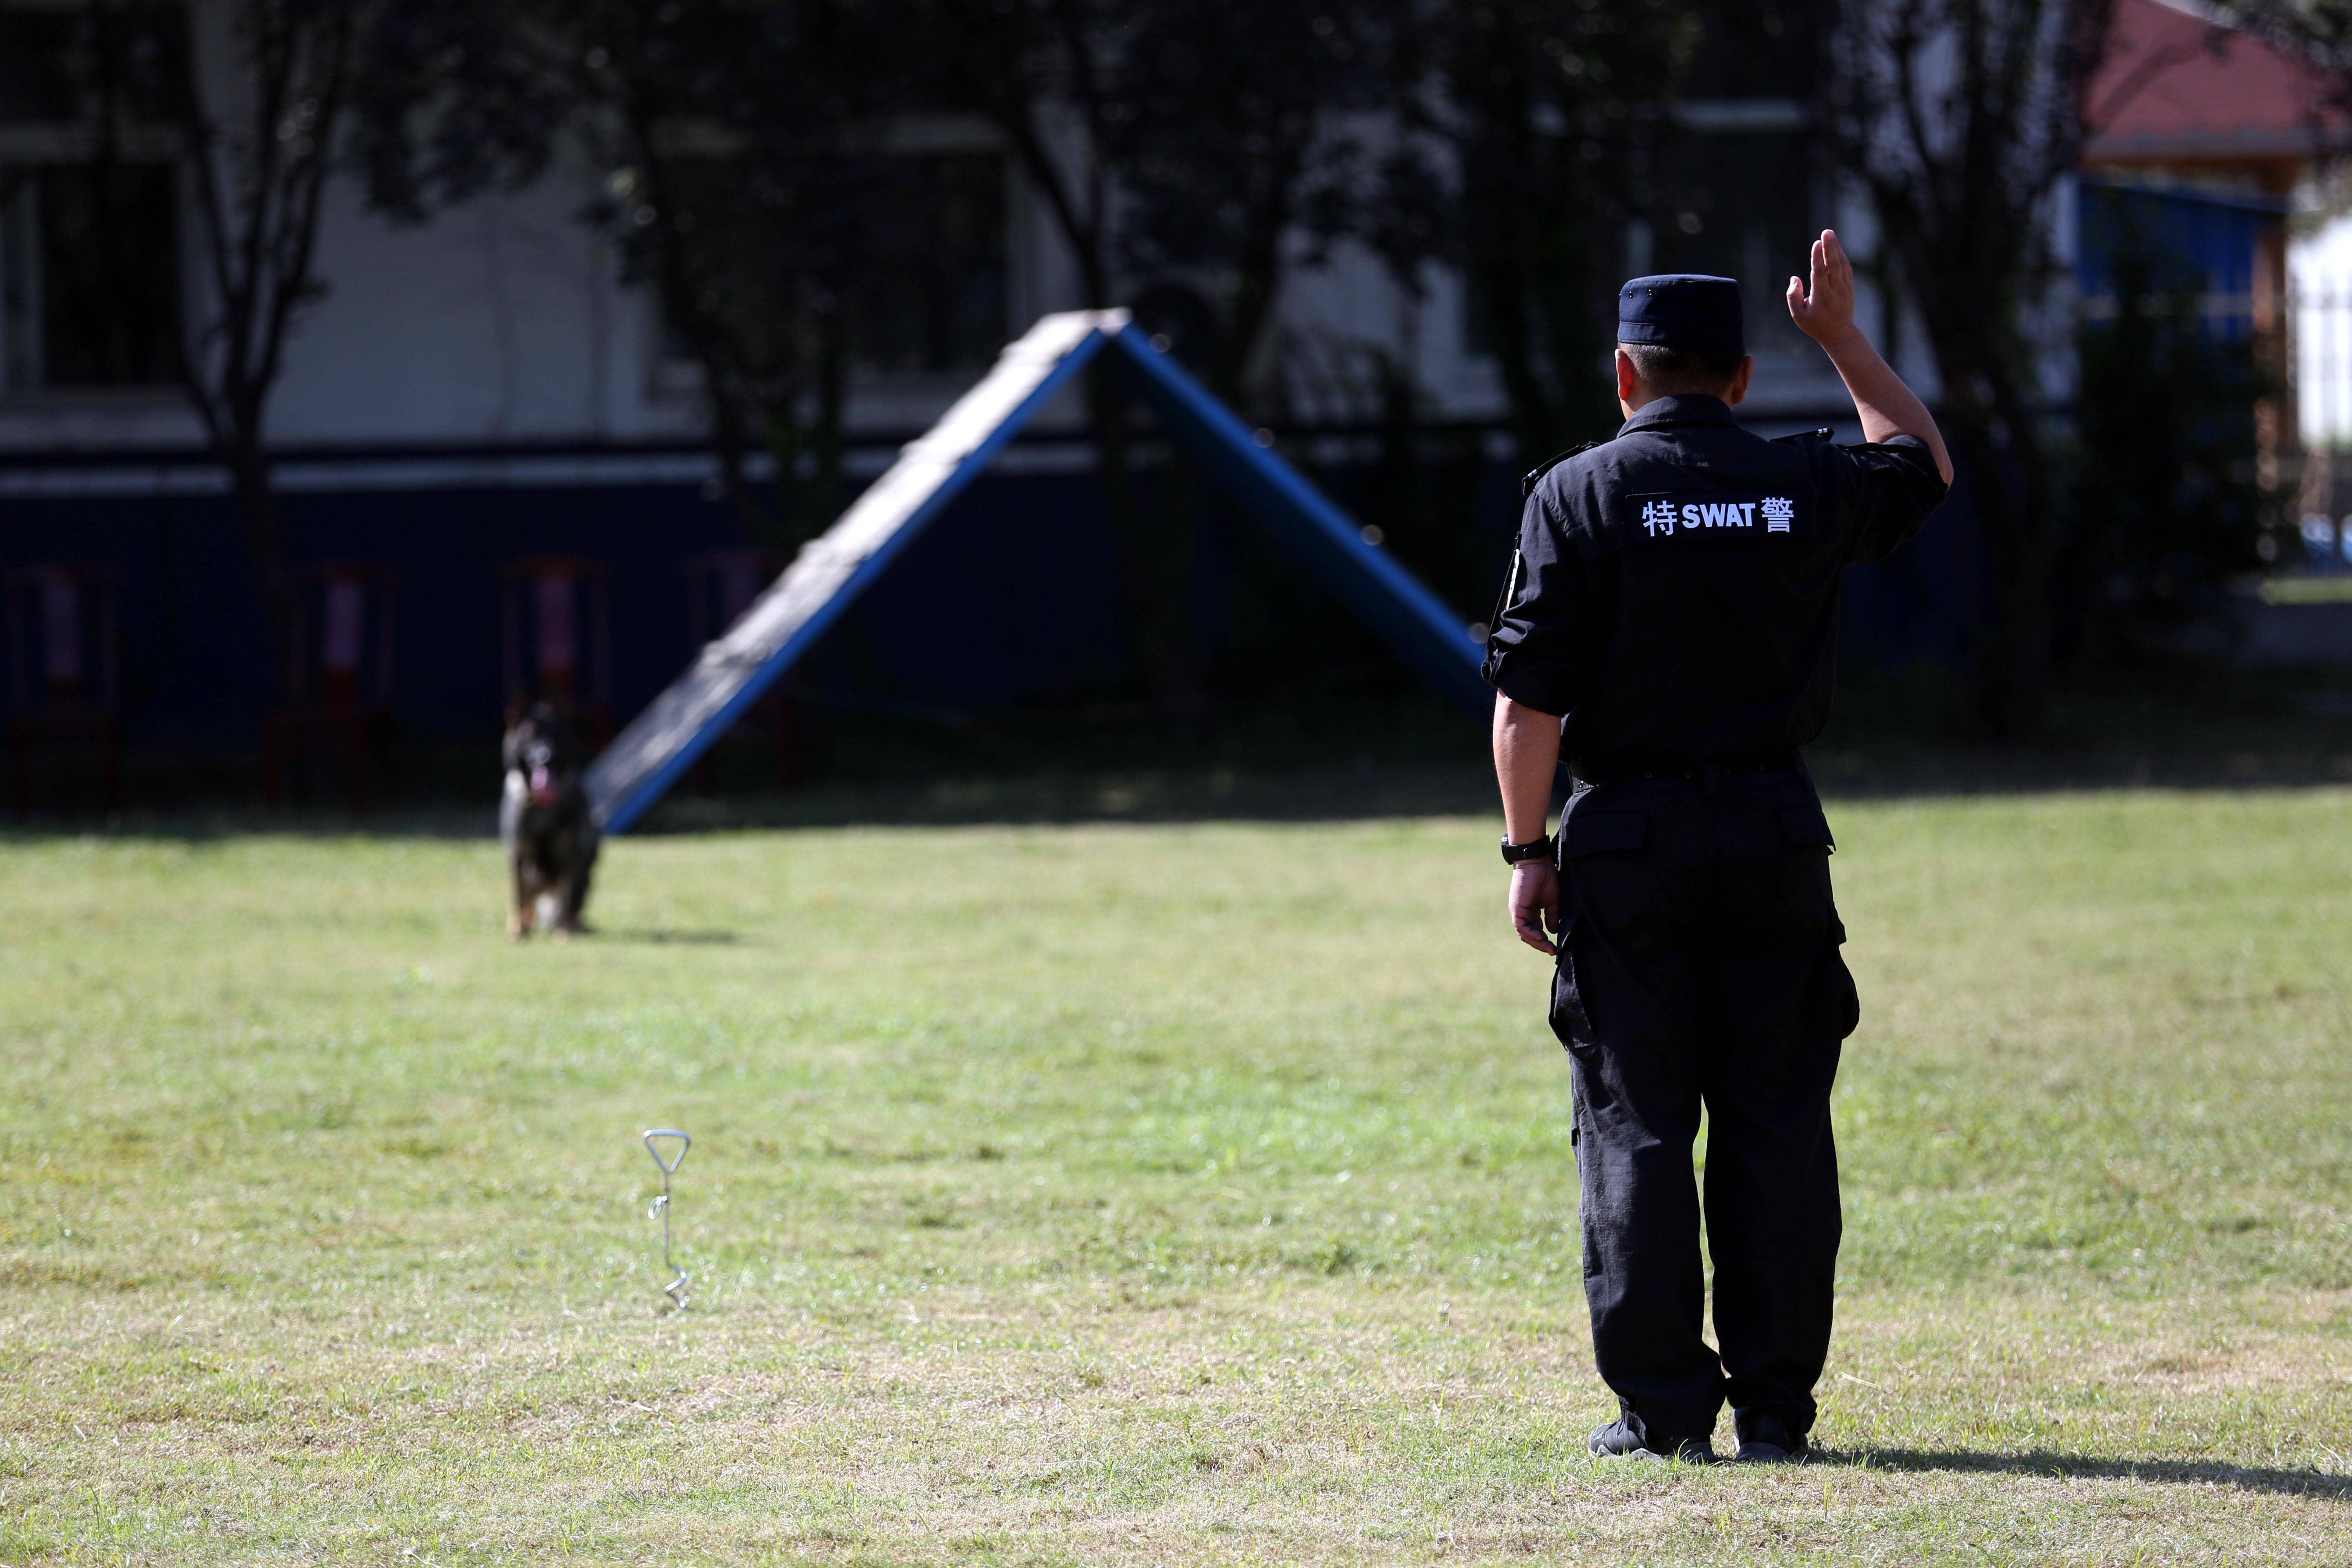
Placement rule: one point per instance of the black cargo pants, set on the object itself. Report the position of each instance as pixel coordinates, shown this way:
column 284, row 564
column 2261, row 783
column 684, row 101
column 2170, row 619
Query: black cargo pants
column 1701, row 966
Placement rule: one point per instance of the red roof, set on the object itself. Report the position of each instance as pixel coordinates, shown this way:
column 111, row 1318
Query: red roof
column 2176, row 86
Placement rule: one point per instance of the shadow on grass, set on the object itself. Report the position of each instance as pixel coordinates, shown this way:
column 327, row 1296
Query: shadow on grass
column 651, row 937
column 1348, row 792
column 1359, row 792
column 1370, row 748
column 2039, row 1462
column 1343, row 792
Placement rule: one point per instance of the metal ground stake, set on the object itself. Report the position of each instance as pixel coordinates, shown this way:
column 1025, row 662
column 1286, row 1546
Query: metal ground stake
column 679, row 1288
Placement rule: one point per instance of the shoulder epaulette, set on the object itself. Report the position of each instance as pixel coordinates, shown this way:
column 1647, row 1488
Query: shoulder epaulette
column 1824, row 433
column 1528, row 485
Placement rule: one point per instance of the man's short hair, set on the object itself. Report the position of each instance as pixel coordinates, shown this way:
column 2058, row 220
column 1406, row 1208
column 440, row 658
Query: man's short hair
column 1666, row 369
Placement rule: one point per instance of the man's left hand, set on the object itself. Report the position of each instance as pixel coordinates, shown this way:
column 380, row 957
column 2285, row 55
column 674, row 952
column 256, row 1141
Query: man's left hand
column 1535, row 904
column 1826, row 312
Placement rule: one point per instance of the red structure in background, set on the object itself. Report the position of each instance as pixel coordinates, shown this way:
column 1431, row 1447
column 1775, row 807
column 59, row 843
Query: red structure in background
column 338, row 677
column 64, row 677
column 2189, row 101
column 2187, row 105
column 556, row 620
column 719, row 586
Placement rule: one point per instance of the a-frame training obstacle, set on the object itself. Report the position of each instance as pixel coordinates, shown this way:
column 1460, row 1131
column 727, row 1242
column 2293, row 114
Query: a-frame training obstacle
column 831, row 569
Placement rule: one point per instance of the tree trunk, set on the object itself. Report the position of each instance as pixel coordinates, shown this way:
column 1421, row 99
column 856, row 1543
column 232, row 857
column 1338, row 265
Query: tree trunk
column 730, row 443
column 257, row 510
column 1995, row 433
column 1154, row 609
column 1960, row 120
column 1533, row 426
column 1157, row 638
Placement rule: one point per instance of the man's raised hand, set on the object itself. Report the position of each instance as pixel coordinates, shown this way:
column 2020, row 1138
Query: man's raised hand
column 1826, row 314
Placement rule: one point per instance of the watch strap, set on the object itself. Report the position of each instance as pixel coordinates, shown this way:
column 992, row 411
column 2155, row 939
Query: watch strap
column 1534, row 849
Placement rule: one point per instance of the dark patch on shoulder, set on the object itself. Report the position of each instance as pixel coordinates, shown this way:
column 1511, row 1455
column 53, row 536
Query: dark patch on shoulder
column 1823, row 434
column 1534, row 475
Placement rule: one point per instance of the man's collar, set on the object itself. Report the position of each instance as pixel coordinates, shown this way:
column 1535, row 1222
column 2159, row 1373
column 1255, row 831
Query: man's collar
column 1679, row 409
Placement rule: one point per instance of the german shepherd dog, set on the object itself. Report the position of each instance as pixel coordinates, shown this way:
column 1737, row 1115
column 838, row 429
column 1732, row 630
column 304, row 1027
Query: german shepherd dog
column 544, row 822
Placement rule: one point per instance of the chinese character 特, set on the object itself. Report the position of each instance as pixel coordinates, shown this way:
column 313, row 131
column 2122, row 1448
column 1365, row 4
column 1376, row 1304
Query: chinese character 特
column 1778, row 513
column 1657, row 517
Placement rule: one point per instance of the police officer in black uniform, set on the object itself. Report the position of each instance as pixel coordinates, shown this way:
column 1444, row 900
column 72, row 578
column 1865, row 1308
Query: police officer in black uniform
column 1669, row 626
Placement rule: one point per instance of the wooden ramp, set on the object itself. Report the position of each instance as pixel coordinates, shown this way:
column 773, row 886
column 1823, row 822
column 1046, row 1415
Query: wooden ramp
column 648, row 756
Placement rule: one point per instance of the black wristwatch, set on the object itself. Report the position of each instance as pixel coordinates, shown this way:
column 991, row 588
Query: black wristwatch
column 1534, row 849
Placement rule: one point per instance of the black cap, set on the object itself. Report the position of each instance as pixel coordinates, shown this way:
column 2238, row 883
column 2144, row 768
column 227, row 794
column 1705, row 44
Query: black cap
column 1683, row 310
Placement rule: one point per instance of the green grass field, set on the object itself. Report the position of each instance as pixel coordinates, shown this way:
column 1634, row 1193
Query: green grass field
column 1135, row 1194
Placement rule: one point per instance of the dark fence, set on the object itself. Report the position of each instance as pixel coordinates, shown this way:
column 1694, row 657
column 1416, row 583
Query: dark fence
column 1017, row 597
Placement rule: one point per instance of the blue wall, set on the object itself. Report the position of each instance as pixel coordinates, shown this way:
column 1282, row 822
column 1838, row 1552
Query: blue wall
column 1015, row 595
column 2211, row 242
column 1010, row 597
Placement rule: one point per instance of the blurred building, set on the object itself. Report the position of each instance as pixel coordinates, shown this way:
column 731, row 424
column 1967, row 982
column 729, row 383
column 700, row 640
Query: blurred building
column 483, row 390
column 2205, row 146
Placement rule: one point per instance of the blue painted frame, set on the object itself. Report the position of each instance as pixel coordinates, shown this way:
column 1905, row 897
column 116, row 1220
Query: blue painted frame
column 639, row 801
column 1321, row 537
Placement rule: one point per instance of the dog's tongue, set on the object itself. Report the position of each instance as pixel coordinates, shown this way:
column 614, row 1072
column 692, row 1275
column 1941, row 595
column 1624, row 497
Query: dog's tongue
column 542, row 788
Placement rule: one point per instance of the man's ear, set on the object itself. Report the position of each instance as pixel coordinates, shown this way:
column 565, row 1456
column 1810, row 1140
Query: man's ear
column 1739, row 379
column 1627, row 378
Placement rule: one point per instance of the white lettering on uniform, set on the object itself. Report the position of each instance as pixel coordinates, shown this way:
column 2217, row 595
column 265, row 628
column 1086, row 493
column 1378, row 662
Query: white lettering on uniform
column 1661, row 518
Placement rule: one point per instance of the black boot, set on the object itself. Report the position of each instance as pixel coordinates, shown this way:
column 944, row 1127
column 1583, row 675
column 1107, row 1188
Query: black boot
column 1765, row 1440
column 1619, row 1441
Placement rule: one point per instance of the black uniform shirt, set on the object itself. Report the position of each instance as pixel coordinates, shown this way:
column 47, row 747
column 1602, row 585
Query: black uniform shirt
column 1675, row 589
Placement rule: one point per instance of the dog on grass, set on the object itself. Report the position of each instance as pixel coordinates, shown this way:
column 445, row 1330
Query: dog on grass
column 544, row 822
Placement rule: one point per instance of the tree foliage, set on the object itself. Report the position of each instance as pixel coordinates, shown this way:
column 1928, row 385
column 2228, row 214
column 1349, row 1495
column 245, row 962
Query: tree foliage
column 1548, row 119
column 259, row 143
column 744, row 177
column 2167, row 504
column 756, row 167
column 1239, row 131
column 2318, row 31
column 1959, row 118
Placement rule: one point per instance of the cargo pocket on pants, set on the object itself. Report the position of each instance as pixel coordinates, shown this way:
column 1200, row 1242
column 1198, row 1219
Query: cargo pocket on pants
column 1570, row 1021
column 1836, row 1003
column 1585, row 832
column 1808, row 827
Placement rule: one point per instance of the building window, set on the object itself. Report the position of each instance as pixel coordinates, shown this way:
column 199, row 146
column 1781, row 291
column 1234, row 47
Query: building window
column 89, row 206
column 929, row 294
column 941, row 305
column 1736, row 197
column 1741, row 203
column 74, row 65
column 90, row 276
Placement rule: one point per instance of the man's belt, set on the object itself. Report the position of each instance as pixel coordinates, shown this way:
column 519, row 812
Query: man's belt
column 1618, row 767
